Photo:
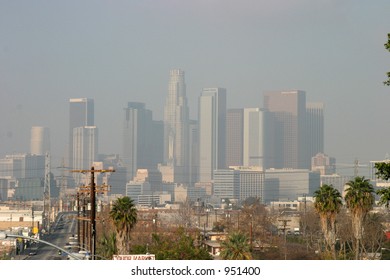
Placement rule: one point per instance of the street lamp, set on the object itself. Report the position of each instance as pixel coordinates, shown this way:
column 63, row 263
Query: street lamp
column 207, row 217
column 154, row 220
column 227, row 215
column 4, row 235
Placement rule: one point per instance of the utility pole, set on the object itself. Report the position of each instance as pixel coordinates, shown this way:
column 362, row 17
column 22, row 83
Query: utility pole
column 78, row 216
column 304, row 214
column 251, row 231
column 46, row 193
column 32, row 218
column 92, row 193
column 284, row 229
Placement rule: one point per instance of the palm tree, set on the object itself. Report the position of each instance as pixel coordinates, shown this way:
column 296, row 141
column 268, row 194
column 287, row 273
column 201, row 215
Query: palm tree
column 359, row 199
column 236, row 247
column 328, row 204
column 124, row 216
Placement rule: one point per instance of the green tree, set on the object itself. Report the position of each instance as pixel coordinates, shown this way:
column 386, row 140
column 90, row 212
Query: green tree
column 384, row 194
column 107, row 245
column 328, row 203
column 387, row 46
column 236, row 247
column 383, row 172
column 124, row 216
column 178, row 245
column 359, row 200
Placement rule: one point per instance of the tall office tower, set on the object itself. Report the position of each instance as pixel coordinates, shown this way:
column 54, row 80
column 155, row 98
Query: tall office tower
column 234, row 137
column 134, row 136
column 194, row 153
column 176, row 123
column 254, row 137
column 142, row 139
column 81, row 113
column 85, row 151
column 40, row 140
column 287, row 133
column 314, row 130
column 212, row 132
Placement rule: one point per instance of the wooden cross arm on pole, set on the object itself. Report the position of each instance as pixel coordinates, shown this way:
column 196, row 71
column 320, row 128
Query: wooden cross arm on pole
column 93, row 170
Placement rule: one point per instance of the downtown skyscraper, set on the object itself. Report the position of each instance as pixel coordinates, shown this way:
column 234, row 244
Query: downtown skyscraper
column 254, row 147
column 82, row 134
column 295, row 129
column 142, row 139
column 212, row 132
column 234, row 136
column 314, row 130
column 176, row 127
column 81, row 113
column 288, row 128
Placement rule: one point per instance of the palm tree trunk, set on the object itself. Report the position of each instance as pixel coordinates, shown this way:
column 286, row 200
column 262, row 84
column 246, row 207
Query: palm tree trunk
column 357, row 253
column 334, row 252
column 121, row 244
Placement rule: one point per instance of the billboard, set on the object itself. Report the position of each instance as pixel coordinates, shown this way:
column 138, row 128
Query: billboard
column 133, row 257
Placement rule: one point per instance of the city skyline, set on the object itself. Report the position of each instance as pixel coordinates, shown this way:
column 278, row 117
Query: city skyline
column 277, row 142
column 332, row 50
column 312, row 118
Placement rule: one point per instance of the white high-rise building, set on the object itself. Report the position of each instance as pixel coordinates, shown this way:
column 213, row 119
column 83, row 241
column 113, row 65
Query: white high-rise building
column 81, row 113
column 40, row 140
column 253, row 142
column 226, row 183
column 212, row 132
column 251, row 183
column 239, row 183
column 85, row 150
column 176, row 127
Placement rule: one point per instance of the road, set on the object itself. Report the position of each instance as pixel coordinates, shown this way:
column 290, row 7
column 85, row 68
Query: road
column 64, row 227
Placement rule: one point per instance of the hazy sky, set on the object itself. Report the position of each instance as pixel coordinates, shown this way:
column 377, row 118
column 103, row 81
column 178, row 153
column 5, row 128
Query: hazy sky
column 121, row 51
